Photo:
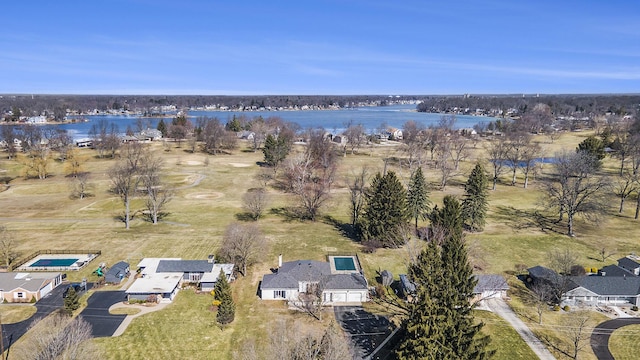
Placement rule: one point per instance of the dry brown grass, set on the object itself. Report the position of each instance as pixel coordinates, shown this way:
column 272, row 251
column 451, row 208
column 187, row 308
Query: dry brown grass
column 42, row 216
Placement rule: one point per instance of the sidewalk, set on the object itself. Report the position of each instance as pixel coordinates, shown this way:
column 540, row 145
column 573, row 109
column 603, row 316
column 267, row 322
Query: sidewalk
column 501, row 308
column 143, row 310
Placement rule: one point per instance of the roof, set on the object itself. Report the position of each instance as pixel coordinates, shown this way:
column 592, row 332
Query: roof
column 615, row 270
column 407, row 285
column 151, row 264
column 158, row 283
column 115, row 270
column 32, row 282
column 170, row 266
column 292, row 272
column 628, row 263
column 215, row 272
column 609, row 285
column 490, row 283
column 541, row 272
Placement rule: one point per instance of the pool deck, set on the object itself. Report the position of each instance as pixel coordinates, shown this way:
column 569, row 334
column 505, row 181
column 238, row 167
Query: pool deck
column 82, row 261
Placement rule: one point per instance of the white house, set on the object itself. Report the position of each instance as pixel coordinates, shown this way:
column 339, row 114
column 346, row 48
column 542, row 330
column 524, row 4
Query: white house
column 161, row 278
column 335, row 283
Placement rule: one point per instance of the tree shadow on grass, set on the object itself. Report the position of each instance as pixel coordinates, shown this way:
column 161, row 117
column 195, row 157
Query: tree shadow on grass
column 347, row 230
column 289, row 214
column 245, row 216
column 519, row 219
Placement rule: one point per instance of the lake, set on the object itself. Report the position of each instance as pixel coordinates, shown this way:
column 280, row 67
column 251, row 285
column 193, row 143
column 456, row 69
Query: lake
column 332, row 120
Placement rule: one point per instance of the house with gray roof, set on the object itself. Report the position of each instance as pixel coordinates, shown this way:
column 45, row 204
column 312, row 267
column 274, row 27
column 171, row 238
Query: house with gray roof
column 333, row 284
column 490, row 286
column 161, row 278
column 20, row 287
column 613, row 285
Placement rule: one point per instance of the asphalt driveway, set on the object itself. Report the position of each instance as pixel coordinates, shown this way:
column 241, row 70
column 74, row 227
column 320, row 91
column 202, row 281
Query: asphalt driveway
column 51, row 302
column 97, row 312
column 365, row 329
column 602, row 332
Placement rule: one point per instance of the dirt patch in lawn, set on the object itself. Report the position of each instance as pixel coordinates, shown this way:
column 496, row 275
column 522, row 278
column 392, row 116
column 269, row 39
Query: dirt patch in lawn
column 204, row 196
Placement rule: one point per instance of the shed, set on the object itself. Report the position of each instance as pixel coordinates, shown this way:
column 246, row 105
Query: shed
column 117, row 272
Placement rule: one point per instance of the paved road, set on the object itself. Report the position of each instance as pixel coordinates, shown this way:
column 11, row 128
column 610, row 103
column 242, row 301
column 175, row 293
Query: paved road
column 602, row 332
column 51, row 302
column 501, row 308
column 365, row 329
column 97, row 312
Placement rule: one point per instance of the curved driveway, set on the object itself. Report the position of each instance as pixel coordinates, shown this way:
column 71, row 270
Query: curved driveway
column 602, row 332
column 97, row 312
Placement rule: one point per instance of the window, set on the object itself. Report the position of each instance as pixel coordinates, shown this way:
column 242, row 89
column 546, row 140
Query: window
column 279, row 294
column 20, row 295
column 195, row 277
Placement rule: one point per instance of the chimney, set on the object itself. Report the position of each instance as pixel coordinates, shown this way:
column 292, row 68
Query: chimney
column 211, row 259
column 279, row 260
column 603, row 273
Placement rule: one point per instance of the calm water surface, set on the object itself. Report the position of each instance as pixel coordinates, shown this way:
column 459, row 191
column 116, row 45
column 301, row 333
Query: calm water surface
column 332, row 120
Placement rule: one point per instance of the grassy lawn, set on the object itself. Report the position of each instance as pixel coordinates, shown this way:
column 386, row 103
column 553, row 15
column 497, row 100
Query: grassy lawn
column 41, row 215
column 504, row 339
column 624, row 342
column 15, row 313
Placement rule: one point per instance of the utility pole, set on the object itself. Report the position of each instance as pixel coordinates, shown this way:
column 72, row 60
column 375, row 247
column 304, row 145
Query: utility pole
column 2, row 340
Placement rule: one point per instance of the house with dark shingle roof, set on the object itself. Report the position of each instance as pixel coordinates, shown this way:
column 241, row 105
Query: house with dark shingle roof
column 117, row 272
column 295, row 278
column 613, row 285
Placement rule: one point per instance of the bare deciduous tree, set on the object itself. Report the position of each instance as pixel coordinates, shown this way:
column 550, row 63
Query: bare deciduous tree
column 497, row 150
column 158, row 193
column 355, row 135
column 58, row 337
column 125, row 176
column 624, row 186
column 80, row 185
column 529, row 158
column 357, row 185
column 243, row 245
column 37, row 162
column 312, row 184
column 8, row 245
column 577, row 190
column 541, row 294
column 254, row 202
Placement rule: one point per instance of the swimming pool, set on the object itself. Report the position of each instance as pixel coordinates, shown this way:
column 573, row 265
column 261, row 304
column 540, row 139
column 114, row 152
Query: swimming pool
column 344, row 263
column 53, row 262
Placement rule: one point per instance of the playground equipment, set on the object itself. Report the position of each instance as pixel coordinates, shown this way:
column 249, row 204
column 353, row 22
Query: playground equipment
column 100, row 270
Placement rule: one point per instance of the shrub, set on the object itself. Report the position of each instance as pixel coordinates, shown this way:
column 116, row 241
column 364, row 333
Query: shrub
column 577, row 270
column 566, row 308
column 556, row 307
column 216, row 303
column 33, row 300
column 634, row 308
column 213, row 293
column 594, row 270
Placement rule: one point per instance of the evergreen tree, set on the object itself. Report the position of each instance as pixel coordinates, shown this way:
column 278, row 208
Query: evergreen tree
column 227, row 308
column 71, row 301
column 275, row 150
column 385, row 211
column 594, row 147
column 418, row 203
column 475, row 203
column 233, row 125
column 439, row 323
column 162, row 127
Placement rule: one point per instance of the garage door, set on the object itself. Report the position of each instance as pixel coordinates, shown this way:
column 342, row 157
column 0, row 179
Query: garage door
column 339, row 297
column 45, row 290
column 355, row 297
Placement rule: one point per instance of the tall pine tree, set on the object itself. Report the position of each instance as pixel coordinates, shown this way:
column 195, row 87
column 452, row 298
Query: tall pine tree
column 475, row 203
column 385, row 211
column 418, row 203
column 439, row 323
column 227, row 308
column 162, row 127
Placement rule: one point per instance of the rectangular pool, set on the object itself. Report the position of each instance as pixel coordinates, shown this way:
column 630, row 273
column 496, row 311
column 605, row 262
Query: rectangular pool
column 53, row 262
column 344, row 263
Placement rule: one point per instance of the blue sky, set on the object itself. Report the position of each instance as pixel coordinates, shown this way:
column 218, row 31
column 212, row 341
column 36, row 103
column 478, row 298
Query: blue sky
column 319, row 47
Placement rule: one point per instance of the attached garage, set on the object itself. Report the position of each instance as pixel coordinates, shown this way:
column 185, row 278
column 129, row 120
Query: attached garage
column 354, row 297
column 338, row 297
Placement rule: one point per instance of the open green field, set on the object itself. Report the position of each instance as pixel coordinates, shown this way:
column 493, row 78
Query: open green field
column 41, row 215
